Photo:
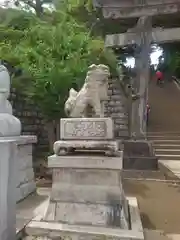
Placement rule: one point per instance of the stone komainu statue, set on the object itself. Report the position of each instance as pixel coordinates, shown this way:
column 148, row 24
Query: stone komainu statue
column 9, row 125
column 89, row 101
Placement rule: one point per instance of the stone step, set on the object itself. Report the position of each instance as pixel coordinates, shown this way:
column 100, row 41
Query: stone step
column 174, row 236
column 168, row 157
column 171, row 167
column 164, row 137
column 167, row 151
column 168, row 174
column 170, row 146
column 165, row 141
column 141, row 174
column 162, row 133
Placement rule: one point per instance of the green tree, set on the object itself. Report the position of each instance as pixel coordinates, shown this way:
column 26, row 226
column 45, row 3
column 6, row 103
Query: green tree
column 53, row 57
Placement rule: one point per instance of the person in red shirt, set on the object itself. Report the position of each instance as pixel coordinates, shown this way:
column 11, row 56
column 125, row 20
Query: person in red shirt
column 159, row 77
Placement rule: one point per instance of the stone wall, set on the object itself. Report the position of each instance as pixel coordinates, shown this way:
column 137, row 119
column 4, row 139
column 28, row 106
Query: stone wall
column 31, row 120
column 117, row 109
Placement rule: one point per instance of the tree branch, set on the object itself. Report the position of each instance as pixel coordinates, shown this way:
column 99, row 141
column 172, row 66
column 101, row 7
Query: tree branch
column 30, row 3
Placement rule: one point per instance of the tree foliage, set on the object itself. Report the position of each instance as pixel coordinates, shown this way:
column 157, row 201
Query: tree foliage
column 53, row 57
column 171, row 59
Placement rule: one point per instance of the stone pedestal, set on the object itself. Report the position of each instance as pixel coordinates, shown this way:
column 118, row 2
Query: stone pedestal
column 8, row 173
column 87, row 190
column 25, row 182
column 87, row 200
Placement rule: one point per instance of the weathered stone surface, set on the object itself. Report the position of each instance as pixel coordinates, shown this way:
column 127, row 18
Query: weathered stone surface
column 87, row 189
column 24, row 190
column 140, row 163
column 88, row 102
column 25, row 183
column 86, row 162
column 7, row 190
column 87, row 177
column 89, row 214
column 25, row 176
column 109, row 148
column 24, row 162
column 86, row 129
column 53, row 230
column 86, row 193
column 139, row 155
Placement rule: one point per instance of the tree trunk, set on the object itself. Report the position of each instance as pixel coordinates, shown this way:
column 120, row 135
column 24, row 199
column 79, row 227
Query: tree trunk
column 51, row 131
column 39, row 8
column 57, row 122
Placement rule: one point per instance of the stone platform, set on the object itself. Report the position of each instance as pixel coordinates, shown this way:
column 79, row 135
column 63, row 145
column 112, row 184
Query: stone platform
column 53, row 230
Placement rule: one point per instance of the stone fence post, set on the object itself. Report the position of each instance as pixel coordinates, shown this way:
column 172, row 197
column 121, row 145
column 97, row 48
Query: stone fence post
column 7, row 190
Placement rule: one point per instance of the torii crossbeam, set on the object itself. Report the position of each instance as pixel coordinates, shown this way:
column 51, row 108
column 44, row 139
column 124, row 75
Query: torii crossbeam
column 159, row 35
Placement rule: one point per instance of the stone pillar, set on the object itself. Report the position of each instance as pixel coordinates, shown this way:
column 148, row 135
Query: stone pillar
column 7, row 190
column 142, row 64
column 25, row 181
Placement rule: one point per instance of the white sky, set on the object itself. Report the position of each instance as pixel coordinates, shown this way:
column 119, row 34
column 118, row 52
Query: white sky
column 154, row 59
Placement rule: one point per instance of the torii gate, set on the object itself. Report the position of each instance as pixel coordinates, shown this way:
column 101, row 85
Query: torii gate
column 142, row 35
column 158, row 35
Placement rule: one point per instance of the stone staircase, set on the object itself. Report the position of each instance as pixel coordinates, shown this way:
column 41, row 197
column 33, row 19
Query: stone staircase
column 167, row 149
column 166, row 145
column 164, row 126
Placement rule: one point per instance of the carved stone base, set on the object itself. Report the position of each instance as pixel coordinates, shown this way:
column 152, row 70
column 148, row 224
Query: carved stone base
column 86, row 129
column 110, row 148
